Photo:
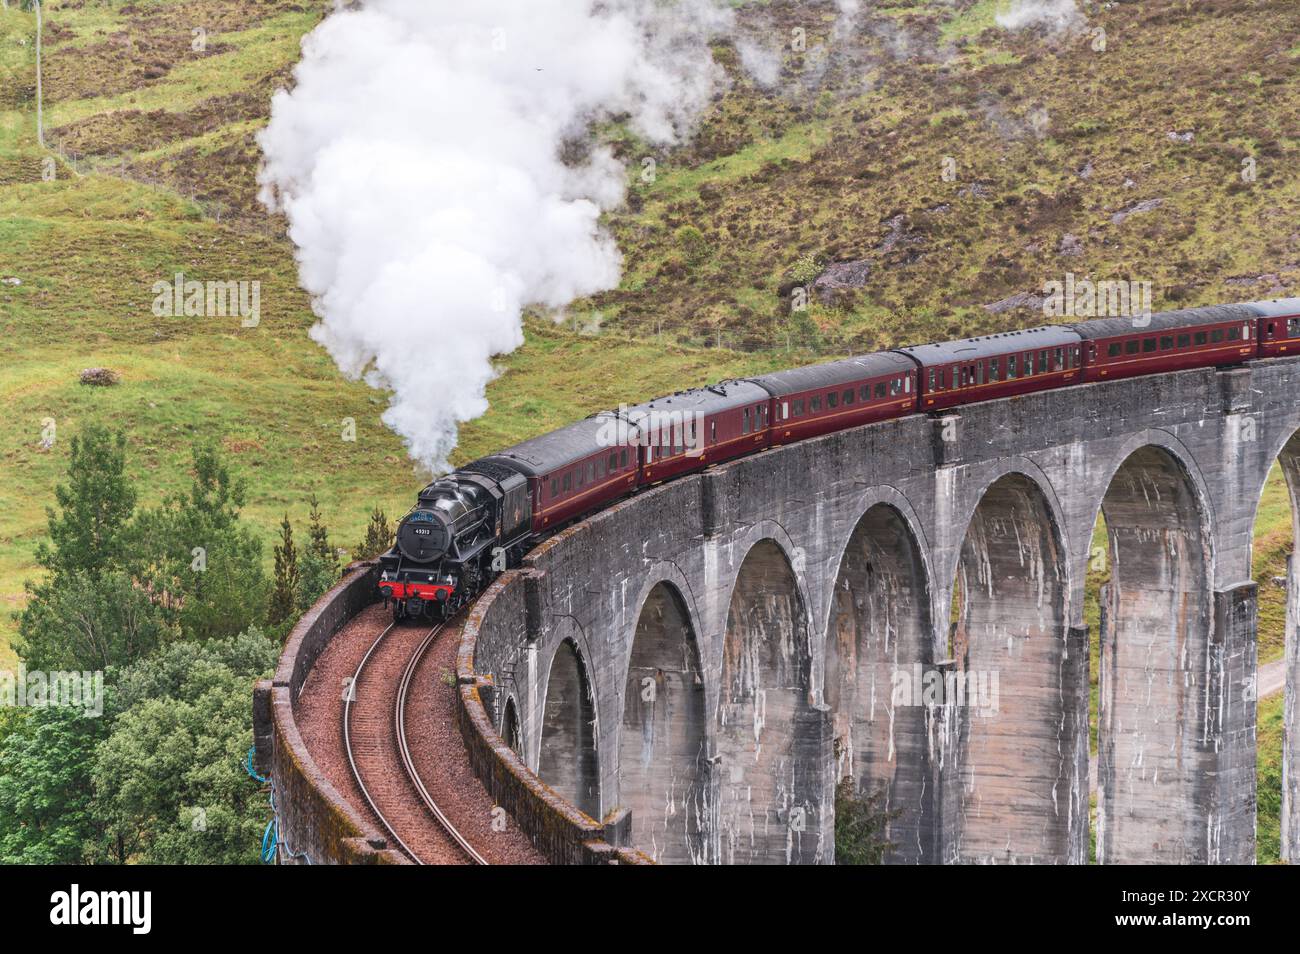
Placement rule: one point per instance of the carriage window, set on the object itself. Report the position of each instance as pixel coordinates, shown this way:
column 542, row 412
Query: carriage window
column 623, row 457
column 600, row 467
column 713, row 430
column 833, row 399
column 744, row 427
column 907, row 384
column 1184, row 340
column 1166, row 342
column 1216, row 335
column 864, row 392
column 1042, row 361
column 1149, row 344
column 798, row 408
column 895, row 387
column 880, row 389
column 1245, row 332
column 1029, row 364
column 1074, row 356
column 993, row 369
column 961, row 376
column 1113, row 350
column 848, row 396
column 931, row 379
column 568, row 482
column 979, row 373
column 1201, row 338
column 1131, row 346
column 1011, row 367
column 1234, row 334
column 555, row 487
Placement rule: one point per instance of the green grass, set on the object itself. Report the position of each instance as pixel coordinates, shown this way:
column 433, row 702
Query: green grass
column 1268, row 830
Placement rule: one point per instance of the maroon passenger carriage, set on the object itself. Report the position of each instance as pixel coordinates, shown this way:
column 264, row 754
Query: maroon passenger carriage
column 995, row 366
column 482, row 518
column 821, row 398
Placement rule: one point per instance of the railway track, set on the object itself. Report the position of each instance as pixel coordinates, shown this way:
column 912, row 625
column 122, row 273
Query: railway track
column 374, row 737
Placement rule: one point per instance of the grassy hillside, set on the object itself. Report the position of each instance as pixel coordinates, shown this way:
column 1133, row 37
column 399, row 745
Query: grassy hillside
column 163, row 180
column 1055, row 145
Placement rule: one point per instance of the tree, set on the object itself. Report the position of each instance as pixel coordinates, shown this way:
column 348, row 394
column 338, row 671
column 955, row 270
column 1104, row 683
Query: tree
column 860, row 825
column 319, row 542
column 46, row 811
column 284, row 592
column 196, row 558
column 320, row 564
column 89, row 612
column 85, row 622
column 379, row 536
column 90, row 532
column 169, row 780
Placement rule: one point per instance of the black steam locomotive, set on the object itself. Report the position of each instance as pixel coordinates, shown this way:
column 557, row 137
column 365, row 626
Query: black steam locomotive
column 463, row 530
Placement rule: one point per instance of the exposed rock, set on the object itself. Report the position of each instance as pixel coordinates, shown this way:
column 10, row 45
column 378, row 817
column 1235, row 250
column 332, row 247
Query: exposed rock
column 1181, row 137
column 1070, row 245
column 1020, row 300
column 1146, row 205
column 10, row 280
column 99, row 377
column 840, row 276
column 1272, row 280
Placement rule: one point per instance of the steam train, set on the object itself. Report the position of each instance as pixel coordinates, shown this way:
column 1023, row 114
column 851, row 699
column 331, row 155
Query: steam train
column 470, row 525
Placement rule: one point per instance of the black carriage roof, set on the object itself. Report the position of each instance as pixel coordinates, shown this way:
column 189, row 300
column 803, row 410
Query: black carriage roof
column 1276, row 307
column 723, row 396
column 1163, row 321
column 547, row 453
column 989, row 346
column 833, row 373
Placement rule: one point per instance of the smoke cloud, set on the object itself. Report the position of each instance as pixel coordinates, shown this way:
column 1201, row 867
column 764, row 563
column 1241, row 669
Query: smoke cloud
column 418, row 162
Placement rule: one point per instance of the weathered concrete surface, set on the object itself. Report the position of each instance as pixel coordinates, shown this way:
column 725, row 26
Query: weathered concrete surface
column 316, row 824
column 795, row 625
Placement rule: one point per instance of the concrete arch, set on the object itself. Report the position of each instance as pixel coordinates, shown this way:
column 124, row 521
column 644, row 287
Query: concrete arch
column 1006, row 689
column 1157, row 763
column 512, row 732
column 1179, row 452
column 567, row 760
column 769, row 735
column 795, row 555
column 662, row 748
column 879, row 633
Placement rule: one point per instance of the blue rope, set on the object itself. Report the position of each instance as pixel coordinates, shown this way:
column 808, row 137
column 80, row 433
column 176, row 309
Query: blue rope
column 248, row 767
column 271, row 843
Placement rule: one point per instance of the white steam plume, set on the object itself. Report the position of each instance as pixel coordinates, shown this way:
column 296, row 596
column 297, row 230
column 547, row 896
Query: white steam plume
column 417, row 160
column 1058, row 16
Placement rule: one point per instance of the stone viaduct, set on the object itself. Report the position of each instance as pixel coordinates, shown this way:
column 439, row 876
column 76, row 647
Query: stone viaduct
column 696, row 667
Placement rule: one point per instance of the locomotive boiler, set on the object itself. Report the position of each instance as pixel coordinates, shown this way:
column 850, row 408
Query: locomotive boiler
column 463, row 529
